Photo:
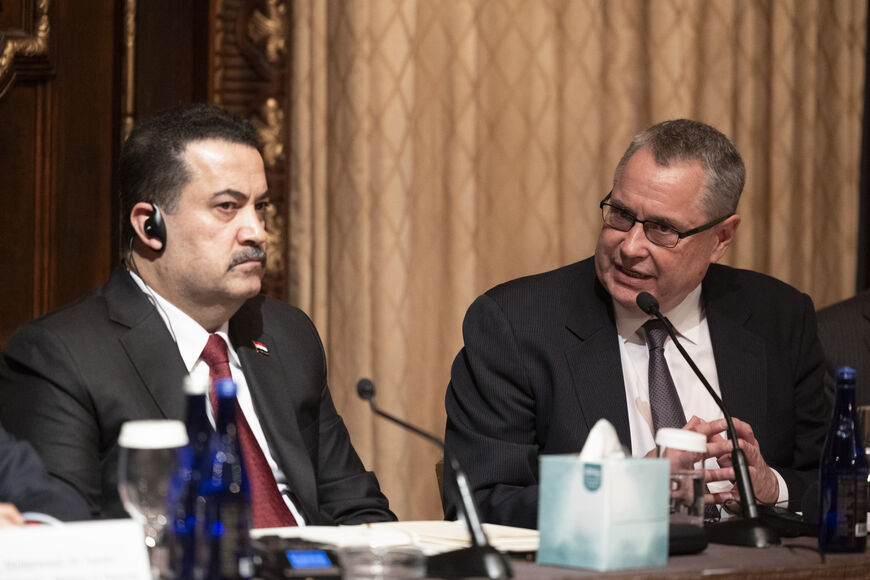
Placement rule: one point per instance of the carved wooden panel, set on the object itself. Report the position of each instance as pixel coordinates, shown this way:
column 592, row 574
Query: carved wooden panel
column 25, row 42
column 56, row 149
column 248, row 77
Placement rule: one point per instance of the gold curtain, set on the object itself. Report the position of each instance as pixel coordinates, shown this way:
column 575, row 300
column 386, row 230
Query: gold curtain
column 439, row 148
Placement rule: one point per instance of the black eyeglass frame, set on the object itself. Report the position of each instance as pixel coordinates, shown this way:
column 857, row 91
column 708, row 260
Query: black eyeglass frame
column 680, row 235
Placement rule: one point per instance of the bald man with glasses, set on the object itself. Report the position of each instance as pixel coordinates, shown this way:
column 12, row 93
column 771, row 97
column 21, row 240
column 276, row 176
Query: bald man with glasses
column 546, row 356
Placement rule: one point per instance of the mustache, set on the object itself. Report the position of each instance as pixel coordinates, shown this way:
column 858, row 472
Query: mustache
column 249, row 253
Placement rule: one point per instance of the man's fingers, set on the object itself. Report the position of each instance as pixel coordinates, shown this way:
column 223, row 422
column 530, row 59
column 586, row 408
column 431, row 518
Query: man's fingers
column 9, row 515
column 744, row 431
column 718, row 498
column 712, row 428
column 721, row 474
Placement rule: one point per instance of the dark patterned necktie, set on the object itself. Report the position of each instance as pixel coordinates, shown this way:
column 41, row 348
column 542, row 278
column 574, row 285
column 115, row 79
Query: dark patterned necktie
column 667, row 411
column 267, row 505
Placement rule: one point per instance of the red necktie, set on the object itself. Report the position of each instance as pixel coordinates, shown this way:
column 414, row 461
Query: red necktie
column 268, row 507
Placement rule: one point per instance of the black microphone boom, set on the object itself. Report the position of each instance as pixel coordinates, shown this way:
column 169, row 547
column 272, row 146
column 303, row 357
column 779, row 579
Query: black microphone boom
column 480, row 559
column 750, row 530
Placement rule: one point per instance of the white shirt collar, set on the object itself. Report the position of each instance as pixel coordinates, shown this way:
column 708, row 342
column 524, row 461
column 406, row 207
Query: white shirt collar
column 189, row 335
column 686, row 318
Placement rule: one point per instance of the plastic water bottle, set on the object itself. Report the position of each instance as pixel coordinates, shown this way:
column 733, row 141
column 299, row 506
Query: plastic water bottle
column 843, row 475
column 226, row 497
column 186, row 527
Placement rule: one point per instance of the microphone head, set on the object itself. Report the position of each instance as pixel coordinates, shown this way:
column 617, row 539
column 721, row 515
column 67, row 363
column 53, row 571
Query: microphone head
column 648, row 303
column 365, row 389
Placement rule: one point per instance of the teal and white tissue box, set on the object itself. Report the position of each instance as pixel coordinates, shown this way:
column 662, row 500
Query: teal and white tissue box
column 604, row 515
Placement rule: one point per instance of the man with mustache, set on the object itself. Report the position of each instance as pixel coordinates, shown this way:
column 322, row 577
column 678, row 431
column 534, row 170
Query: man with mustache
column 547, row 356
column 194, row 196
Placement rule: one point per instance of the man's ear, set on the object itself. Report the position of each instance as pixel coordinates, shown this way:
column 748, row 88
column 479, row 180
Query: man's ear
column 724, row 236
column 140, row 215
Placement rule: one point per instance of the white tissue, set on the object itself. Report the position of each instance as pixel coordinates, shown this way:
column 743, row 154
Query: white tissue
column 602, row 443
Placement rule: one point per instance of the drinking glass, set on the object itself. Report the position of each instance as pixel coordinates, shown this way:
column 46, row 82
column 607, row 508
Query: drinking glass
column 148, row 458
column 382, row 563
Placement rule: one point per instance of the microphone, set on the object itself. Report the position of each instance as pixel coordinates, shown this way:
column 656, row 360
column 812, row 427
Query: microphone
column 750, row 530
column 478, row 560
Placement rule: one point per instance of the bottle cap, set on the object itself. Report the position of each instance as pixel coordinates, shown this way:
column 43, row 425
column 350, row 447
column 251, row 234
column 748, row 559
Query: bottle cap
column 196, row 385
column 153, row 434
column 226, row 388
column 681, row 439
column 845, row 374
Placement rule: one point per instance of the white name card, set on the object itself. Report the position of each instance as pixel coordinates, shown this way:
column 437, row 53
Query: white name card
column 98, row 550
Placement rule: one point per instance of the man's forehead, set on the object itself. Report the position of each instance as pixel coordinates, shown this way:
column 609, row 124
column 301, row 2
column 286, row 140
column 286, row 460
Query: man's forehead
column 211, row 143
column 644, row 172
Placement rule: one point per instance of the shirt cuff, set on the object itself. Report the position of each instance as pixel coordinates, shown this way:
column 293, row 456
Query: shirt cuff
column 783, row 489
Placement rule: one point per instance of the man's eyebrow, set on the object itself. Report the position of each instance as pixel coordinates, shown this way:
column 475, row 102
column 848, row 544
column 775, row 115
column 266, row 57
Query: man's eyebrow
column 661, row 220
column 239, row 196
column 620, row 206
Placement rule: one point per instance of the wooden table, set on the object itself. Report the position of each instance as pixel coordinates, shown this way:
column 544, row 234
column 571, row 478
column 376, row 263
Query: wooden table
column 795, row 559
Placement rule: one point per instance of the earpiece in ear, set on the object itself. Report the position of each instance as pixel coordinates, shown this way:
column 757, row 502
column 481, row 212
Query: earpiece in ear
column 155, row 227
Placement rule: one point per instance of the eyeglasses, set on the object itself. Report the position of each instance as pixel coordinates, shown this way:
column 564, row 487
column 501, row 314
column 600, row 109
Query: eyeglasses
column 658, row 233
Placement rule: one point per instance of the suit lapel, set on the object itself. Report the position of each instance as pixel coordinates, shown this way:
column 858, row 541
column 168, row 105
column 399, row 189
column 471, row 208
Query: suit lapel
column 596, row 367
column 149, row 345
column 269, row 383
column 739, row 353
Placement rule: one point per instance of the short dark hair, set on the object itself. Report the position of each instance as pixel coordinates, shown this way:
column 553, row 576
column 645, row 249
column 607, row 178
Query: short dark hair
column 151, row 166
column 686, row 140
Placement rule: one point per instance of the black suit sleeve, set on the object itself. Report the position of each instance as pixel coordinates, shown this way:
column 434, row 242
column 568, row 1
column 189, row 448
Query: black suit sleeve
column 25, row 483
column 491, row 420
column 346, row 492
column 43, row 400
column 812, row 408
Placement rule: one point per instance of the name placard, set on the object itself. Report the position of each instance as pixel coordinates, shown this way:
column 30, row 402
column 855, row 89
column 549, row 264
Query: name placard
column 98, row 550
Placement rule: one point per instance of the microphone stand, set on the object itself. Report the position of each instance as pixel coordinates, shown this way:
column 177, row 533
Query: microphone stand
column 750, row 530
column 478, row 560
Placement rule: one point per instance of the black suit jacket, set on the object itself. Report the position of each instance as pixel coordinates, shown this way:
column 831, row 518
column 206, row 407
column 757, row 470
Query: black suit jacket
column 844, row 329
column 541, row 365
column 70, row 379
column 25, row 483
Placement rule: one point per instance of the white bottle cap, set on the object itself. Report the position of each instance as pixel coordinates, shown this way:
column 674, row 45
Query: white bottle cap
column 153, row 434
column 681, row 439
column 196, row 386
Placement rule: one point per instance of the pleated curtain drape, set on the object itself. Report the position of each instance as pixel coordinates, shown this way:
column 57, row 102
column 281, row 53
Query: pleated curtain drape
column 439, row 148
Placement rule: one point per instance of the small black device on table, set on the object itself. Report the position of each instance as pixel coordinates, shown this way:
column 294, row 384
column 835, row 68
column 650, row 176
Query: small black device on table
column 279, row 558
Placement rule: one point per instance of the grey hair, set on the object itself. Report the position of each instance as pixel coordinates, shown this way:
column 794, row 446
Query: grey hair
column 685, row 140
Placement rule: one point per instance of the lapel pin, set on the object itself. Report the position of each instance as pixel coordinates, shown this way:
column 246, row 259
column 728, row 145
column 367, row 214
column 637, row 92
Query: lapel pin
column 260, row 348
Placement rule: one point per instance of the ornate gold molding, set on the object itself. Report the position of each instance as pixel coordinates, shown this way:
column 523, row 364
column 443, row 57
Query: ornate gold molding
column 270, row 128
column 275, row 264
column 18, row 44
column 250, row 42
column 128, row 106
column 217, row 56
column 270, row 30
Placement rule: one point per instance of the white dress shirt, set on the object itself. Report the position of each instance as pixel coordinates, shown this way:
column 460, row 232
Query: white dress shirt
column 190, row 338
column 690, row 322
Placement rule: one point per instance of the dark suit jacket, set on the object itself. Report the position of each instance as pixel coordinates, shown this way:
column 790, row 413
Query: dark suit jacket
column 844, row 329
column 25, row 483
column 70, row 379
column 541, row 365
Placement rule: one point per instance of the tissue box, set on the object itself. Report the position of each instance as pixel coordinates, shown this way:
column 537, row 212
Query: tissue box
column 605, row 515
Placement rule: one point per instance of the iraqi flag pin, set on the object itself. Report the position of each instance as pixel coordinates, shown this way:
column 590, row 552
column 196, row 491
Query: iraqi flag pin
column 260, row 348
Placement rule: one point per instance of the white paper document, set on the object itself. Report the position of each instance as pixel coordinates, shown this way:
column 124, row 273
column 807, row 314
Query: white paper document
column 430, row 536
column 99, row 550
